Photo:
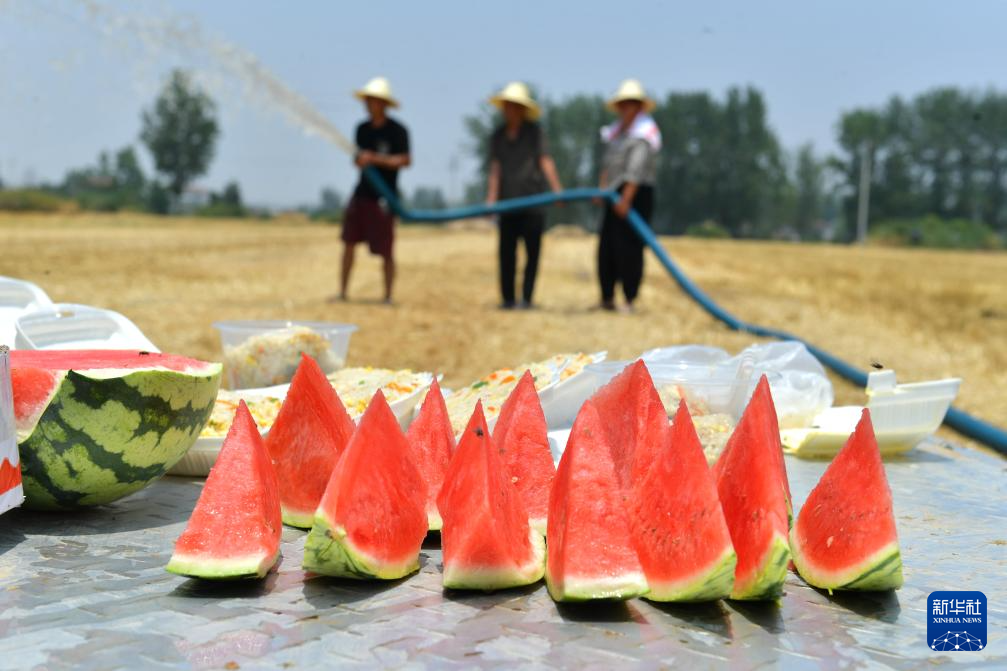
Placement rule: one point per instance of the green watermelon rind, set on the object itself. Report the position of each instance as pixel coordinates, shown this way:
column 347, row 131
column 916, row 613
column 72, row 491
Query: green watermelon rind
column 231, row 568
column 102, row 438
column 539, row 525
column 297, row 519
column 488, row 579
column 880, row 572
column 434, row 520
column 711, row 584
column 613, row 588
column 329, row 551
column 766, row 584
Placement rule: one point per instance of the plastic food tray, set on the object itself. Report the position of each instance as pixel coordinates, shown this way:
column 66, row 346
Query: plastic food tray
column 203, row 454
column 18, row 297
column 69, row 326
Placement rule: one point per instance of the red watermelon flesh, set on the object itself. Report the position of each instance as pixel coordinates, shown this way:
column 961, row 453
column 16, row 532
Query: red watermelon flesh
column 590, row 554
column 634, row 419
column 432, row 442
column 751, row 482
column 522, row 437
column 234, row 531
column 845, row 536
column 678, row 526
column 486, row 539
column 305, row 442
column 372, row 519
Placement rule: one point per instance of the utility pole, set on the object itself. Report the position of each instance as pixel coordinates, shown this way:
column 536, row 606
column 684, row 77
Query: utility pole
column 864, row 192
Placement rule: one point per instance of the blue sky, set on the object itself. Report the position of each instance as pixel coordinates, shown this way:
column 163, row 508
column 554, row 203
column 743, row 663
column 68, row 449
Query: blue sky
column 73, row 81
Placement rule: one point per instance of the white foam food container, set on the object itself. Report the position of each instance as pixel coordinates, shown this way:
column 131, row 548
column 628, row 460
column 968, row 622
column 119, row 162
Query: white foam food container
column 18, row 297
column 562, row 399
column 903, row 415
column 70, row 326
column 202, row 455
column 11, row 492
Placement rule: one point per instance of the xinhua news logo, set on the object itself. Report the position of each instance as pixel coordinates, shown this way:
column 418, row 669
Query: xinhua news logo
column 956, row 621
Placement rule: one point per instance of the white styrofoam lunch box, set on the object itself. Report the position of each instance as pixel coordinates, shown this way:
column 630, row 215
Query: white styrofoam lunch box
column 70, row 326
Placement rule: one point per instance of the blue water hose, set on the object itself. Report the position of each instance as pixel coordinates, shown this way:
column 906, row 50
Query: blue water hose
column 958, row 420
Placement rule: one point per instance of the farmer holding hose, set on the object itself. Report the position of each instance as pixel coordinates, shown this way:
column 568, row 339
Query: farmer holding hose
column 520, row 165
column 630, row 167
column 382, row 142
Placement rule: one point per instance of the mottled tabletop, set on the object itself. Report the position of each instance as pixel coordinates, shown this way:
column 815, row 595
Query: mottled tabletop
column 89, row 591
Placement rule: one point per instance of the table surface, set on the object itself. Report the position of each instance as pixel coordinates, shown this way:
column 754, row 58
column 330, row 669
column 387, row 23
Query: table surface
column 89, row 591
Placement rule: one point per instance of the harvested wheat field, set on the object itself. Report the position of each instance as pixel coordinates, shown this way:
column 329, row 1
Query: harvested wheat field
column 927, row 314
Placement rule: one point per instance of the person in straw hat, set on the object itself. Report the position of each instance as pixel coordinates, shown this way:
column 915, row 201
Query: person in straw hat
column 629, row 166
column 382, row 142
column 520, row 165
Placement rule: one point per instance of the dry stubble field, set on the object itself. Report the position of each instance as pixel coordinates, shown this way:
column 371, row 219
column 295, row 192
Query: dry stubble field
column 927, row 314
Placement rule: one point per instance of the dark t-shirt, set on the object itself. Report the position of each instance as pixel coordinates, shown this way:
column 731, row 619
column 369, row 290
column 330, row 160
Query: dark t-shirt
column 390, row 139
column 520, row 172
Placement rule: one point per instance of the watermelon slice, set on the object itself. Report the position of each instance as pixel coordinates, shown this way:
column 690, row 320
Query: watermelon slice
column 590, row 555
column 234, row 531
column 522, row 437
column 310, row 432
column 845, row 535
column 432, row 441
column 96, row 425
column 752, row 484
column 634, row 419
column 372, row 519
column 678, row 526
column 487, row 541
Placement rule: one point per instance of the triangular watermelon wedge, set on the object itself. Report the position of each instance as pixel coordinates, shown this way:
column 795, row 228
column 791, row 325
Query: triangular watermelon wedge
column 372, row 519
column 486, row 539
column 522, row 437
column 310, row 433
column 590, row 553
column 432, row 441
column 753, row 490
column 678, row 526
column 234, row 530
column 845, row 536
column 634, row 419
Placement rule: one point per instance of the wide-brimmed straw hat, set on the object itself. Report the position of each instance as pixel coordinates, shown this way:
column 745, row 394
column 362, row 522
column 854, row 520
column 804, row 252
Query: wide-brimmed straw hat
column 631, row 89
column 517, row 92
column 377, row 88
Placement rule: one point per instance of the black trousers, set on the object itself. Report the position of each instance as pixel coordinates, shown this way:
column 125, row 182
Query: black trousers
column 527, row 225
column 620, row 249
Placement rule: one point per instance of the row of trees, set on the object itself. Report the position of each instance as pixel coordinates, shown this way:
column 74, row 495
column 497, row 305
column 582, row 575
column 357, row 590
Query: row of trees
column 722, row 168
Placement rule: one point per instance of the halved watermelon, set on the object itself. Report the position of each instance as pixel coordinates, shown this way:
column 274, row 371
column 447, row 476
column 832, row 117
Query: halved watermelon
column 634, row 419
column 432, row 441
column 234, row 531
column 486, row 539
column 752, row 484
column 678, row 526
column 845, row 535
column 372, row 519
column 590, row 553
column 522, row 437
column 96, row 425
column 310, row 433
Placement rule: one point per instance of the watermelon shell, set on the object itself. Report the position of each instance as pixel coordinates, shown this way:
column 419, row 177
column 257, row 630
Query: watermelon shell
column 310, row 432
column 590, row 553
column 678, row 526
column 95, row 426
column 752, row 485
column 234, row 531
column 487, row 541
column 845, row 536
column 522, row 437
column 432, row 441
column 372, row 519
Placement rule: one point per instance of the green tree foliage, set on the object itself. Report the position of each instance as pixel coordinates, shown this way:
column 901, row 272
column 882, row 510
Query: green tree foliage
column 809, row 192
column 428, row 198
column 944, row 152
column 114, row 183
column 181, row 131
column 227, row 203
